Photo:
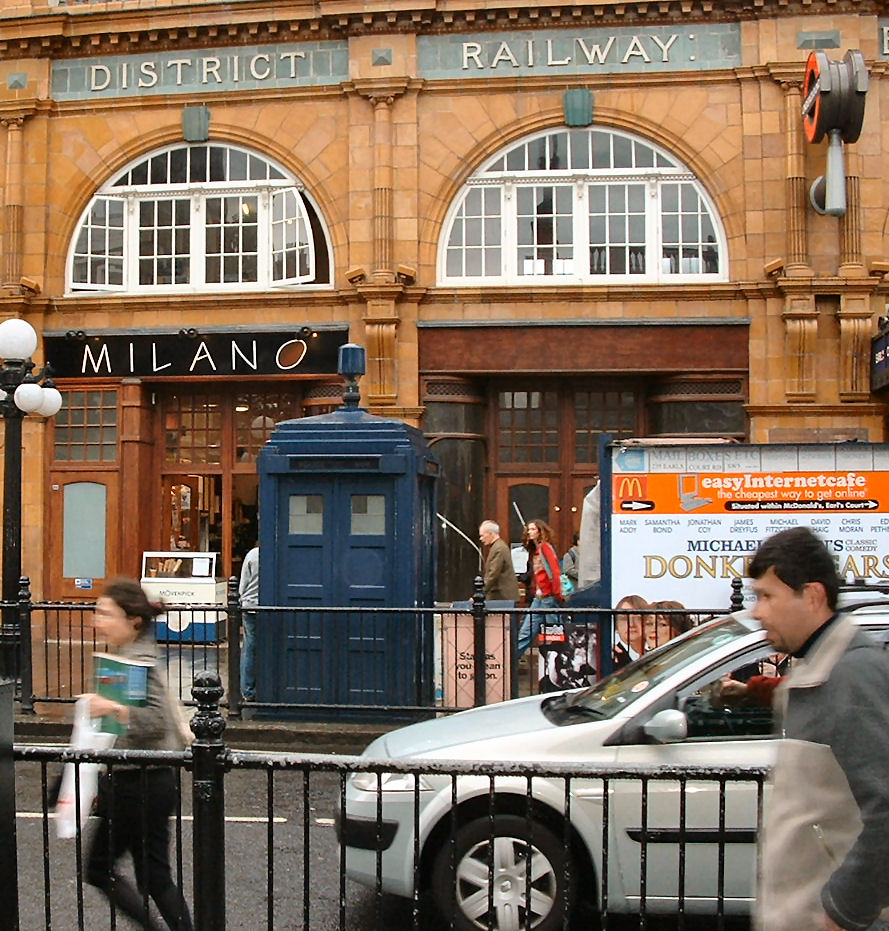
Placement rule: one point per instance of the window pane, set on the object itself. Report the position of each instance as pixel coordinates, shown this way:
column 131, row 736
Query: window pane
column 306, row 514
column 517, row 444
column 98, row 408
column 539, row 209
column 475, row 236
column 84, row 515
column 368, row 514
column 597, row 412
column 193, row 427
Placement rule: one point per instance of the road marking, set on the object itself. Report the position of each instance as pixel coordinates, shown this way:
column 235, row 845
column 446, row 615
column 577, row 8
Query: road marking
column 234, row 819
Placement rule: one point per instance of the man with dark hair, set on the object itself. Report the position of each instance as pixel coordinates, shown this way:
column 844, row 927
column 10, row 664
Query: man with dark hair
column 825, row 840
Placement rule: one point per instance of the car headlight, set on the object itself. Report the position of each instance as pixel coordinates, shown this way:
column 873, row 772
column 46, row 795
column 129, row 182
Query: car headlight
column 389, row 782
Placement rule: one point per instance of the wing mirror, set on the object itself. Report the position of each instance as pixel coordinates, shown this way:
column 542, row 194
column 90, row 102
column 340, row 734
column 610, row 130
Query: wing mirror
column 667, row 726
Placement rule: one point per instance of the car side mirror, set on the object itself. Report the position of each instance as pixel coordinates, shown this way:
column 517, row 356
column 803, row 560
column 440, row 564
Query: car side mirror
column 667, row 726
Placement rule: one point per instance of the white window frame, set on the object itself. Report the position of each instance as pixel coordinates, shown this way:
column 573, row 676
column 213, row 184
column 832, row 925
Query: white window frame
column 653, row 177
column 198, row 194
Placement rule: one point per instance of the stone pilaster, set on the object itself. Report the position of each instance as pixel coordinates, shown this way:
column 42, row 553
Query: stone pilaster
column 856, row 330
column 851, row 257
column 14, row 199
column 800, row 338
column 797, row 195
column 381, row 341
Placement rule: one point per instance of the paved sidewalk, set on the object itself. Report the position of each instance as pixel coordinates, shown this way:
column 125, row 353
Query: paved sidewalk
column 294, row 736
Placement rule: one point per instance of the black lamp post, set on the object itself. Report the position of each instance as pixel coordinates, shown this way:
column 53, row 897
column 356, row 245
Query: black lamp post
column 21, row 392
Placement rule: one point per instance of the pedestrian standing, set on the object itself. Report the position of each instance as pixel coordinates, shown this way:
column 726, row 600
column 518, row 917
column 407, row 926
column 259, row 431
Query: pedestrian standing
column 825, row 838
column 545, row 577
column 134, row 802
column 248, row 590
column 571, row 560
column 500, row 579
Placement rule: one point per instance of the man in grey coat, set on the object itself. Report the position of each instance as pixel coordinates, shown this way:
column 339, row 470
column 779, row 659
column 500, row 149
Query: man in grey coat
column 500, row 579
column 825, row 840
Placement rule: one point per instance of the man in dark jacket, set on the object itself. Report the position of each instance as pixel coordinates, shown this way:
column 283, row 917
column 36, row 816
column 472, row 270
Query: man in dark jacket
column 500, row 578
column 825, row 840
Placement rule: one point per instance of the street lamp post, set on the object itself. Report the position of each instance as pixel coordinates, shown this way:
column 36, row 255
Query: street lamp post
column 21, row 392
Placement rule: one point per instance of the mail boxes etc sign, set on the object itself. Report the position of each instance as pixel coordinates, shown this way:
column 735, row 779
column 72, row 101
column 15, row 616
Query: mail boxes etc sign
column 686, row 520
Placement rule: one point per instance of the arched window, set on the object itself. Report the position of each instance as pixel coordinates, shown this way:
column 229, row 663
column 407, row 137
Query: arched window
column 582, row 206
column 199, row 218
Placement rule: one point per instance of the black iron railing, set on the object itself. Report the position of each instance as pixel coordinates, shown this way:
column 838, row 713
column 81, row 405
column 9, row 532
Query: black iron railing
column 256, row 845
column 463, row 657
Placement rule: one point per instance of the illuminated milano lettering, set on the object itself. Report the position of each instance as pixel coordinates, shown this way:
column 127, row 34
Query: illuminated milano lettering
column 144, row 357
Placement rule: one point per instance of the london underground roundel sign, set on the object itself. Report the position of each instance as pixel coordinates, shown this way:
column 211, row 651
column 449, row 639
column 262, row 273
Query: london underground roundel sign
column 834, row 94
column 813, row 122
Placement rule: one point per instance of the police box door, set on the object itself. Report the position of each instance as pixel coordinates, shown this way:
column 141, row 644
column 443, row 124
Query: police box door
column 336, row 550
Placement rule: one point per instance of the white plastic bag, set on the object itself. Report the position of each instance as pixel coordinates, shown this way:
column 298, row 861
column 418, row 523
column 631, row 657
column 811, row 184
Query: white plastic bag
column 84, row 736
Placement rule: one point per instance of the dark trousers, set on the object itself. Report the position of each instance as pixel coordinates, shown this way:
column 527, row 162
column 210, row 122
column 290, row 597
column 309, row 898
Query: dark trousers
column 134, row 807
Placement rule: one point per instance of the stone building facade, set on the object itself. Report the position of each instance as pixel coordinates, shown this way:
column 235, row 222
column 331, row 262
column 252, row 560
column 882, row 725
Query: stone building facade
column 543, row 223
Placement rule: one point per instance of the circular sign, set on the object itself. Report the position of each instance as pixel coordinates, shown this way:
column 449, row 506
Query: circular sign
column 834, row 94
column 813, row 123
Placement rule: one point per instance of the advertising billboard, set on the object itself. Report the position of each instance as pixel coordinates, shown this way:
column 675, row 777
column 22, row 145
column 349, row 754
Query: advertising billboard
column 686, row 519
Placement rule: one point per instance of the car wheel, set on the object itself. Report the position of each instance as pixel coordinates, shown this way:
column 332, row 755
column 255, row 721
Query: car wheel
column 460, row 877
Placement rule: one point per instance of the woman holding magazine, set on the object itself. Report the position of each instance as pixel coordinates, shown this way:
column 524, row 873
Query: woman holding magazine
column 135, row 802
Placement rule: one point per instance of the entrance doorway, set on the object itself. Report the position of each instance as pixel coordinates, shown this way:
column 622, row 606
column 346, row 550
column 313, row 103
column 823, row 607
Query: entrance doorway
column 209, row 442
column 545, row 449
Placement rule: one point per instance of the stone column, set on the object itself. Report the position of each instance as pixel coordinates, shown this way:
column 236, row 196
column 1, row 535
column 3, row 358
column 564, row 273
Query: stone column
column 851, row 258
column 382, row 192
column 797, row 195
column 14, row 201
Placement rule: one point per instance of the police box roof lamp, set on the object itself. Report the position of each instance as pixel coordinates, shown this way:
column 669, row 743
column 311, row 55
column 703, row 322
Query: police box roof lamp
column 351, row 365
column 835, row 94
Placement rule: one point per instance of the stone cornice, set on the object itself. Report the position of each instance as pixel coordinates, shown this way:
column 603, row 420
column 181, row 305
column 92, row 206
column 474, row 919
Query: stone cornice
column 382, row 88
column 630, row 293
column 130, row 26
column 794, row 409
column 831, row 285
column 206, row 306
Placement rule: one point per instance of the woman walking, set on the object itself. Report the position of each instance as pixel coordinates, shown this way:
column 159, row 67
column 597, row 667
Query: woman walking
column 135, row 802
column 544, row 580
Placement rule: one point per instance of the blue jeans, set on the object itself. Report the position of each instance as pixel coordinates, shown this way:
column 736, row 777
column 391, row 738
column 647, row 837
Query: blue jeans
column 248, row 653
column 532, row 621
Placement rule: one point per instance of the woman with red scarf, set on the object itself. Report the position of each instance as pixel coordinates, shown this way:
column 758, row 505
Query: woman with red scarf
column 544, row 579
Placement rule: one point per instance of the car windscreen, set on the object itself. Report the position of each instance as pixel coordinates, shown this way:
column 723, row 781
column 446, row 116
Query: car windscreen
column 615, row 693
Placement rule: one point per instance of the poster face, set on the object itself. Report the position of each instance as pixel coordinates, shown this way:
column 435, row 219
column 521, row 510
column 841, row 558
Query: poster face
column 687, row 519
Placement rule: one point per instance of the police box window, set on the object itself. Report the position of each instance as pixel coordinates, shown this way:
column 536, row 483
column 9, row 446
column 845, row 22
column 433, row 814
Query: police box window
column 368, row 515
column 306, row 514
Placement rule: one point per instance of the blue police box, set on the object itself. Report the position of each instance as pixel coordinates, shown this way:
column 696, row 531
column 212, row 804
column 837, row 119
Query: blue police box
column 346, row 517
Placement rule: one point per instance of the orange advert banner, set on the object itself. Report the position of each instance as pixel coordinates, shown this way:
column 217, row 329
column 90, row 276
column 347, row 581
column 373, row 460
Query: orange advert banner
column 748, row 492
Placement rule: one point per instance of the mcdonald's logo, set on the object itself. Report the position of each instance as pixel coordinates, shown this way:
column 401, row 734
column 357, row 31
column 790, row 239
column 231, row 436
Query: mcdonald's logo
column 631, row 486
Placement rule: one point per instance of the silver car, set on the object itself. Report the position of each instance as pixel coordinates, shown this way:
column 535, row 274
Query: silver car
column 663, row 710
